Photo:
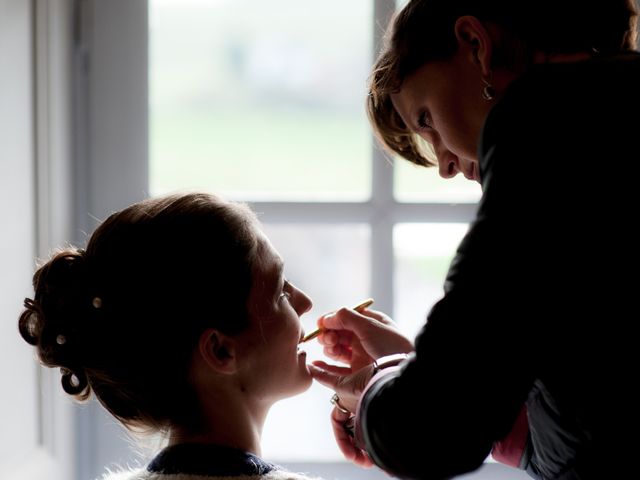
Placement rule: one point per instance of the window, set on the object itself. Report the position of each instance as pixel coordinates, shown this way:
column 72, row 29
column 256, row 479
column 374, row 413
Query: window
column 79, row 131
column 385, row 231
column 255, row 100
column 264, row 102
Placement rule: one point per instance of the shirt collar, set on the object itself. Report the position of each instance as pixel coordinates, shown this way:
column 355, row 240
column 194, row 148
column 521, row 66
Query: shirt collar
column 208, row 460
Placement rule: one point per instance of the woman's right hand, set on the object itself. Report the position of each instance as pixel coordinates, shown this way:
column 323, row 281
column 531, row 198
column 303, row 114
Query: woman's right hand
column 357, row 339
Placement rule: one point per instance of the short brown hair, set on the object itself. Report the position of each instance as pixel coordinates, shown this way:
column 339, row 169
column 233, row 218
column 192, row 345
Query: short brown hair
column 423, row 31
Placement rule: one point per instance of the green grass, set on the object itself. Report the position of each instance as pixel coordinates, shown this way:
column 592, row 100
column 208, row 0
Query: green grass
column 299, row 153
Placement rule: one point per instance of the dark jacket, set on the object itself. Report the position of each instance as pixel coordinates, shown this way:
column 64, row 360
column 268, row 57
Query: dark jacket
column 542, row 298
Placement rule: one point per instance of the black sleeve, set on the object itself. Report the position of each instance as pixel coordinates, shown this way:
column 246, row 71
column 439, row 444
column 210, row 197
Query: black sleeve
column 440, row 415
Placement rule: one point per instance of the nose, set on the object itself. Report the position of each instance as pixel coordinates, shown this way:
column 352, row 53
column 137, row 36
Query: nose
column 303, row 302
column 448, row 166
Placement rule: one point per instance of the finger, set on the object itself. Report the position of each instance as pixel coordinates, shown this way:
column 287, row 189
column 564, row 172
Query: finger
column 338, row 353
column 335, row 369
column 345, row 339
column 346, row 442
column 362, row 459
column 347, row 319
column 325, row 377
column 336, row 337
column 329, row 338
column 377, row 315
column 338, row 320
column 343, row 439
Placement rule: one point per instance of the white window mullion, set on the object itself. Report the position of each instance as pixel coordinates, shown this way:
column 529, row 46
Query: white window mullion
column 382, row 261
column 312, row 212
column 110, row 87
column 52, row 20
column 383, row 10
column 35, row 93
column 112, row 107
column 382, row 201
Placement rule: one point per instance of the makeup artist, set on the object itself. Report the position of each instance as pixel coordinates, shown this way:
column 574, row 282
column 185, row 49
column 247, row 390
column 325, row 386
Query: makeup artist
column 540, row 102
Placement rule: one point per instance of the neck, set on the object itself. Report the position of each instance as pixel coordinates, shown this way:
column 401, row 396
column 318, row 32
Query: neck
column 229, row 422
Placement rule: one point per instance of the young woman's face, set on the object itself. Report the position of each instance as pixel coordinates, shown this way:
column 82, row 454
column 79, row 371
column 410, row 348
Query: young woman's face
column 273, row 366
column 442, row 102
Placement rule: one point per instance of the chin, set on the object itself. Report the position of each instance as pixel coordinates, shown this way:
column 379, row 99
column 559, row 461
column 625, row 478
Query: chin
column 300, row 386
column 308, row 381
column 303, row 384
column 297, row 380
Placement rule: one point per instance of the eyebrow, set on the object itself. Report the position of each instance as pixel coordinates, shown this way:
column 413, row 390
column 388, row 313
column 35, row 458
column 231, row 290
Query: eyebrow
column 279, row 266
column 411, row 116
column 411, row 120
column 278, row 273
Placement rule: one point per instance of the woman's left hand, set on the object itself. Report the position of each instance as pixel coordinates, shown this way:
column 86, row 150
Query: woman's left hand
column 342, row 423
column 348, row 387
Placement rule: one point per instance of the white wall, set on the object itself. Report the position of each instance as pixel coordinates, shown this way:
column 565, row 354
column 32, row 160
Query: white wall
column 73, row 148
column 35, row 421
column 18, row 373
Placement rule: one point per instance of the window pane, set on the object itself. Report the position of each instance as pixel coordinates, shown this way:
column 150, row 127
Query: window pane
column 331, row 264
column 260, row 100
column 418, row 184
column 422, row 254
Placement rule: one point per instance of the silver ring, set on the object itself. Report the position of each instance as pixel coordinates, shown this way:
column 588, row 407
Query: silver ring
column 335, row 400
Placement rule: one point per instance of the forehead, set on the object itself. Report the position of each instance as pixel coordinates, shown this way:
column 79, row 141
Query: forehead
column 266, row 278
column 412, row 95
column 268, row 261
column 425, row 89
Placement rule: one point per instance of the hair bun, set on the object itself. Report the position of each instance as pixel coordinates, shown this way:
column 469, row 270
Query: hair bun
column 29, row 324
column 75, row 382
column 55, row 320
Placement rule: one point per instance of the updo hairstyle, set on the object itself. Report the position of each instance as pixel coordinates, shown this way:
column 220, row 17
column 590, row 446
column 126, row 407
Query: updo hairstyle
column 123, row 317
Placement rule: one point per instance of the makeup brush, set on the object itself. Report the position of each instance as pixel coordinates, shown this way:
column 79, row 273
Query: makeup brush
column 358, row 308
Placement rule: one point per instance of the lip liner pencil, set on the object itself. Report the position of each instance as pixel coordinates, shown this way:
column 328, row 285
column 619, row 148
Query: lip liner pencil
column 358, row 308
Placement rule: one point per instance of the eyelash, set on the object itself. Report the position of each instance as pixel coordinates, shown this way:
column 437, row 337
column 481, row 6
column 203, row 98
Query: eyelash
column 424, row 121
column 285, row 293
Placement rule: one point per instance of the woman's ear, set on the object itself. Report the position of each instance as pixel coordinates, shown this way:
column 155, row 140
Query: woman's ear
column 218, row 351
column 474, row 39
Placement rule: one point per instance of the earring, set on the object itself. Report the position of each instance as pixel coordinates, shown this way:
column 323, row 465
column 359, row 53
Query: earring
column 488, row 92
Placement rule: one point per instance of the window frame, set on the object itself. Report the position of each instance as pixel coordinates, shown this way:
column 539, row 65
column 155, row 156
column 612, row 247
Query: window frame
column 37, row 77
column 110, row 171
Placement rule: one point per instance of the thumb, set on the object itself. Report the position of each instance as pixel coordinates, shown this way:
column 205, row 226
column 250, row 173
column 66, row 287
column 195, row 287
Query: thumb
column 349, row 384
column 335, row 369
column 325, row 377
